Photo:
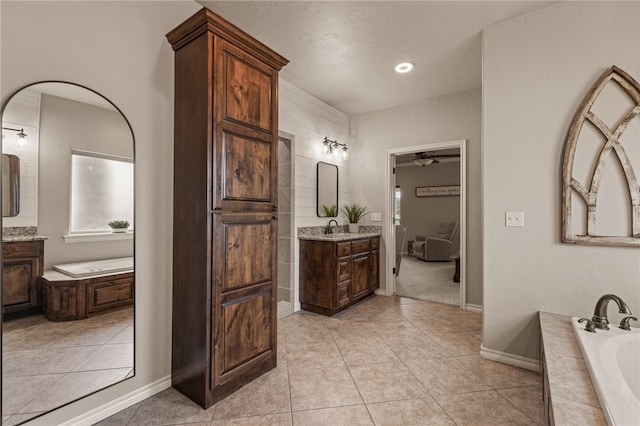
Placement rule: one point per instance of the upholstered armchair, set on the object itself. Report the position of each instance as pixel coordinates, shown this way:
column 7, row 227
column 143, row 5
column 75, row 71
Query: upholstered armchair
column 439, row 247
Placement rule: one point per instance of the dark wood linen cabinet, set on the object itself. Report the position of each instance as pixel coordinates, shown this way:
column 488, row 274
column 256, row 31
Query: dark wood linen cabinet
column 225, row 208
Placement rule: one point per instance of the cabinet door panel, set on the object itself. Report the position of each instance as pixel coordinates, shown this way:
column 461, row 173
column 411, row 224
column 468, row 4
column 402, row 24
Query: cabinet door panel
column 247, row 330
column 16, row 279
column 246, row 168
column 248, row 89
column 247, row 246
column 360, row 277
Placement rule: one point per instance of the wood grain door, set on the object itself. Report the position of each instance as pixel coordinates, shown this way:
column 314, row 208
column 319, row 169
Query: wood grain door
column 246, row 135
column 360, row 278
column 244, row 277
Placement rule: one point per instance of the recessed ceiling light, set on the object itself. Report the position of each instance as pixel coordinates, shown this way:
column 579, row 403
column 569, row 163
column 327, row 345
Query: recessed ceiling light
column 403, row 67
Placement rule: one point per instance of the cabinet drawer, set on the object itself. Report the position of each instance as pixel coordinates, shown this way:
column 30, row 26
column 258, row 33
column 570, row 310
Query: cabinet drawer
column 359, row 246
column 375, row 243
column 342, row 294
column 343, row 249
column 343, row 271
column 109, row 294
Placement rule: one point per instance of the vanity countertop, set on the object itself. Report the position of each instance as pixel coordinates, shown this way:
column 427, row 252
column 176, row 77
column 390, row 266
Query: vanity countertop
column 13, row 238
column 340, row 236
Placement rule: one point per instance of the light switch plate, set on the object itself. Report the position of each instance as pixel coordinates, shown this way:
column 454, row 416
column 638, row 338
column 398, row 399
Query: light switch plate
column 514, row 219
column 376, row 217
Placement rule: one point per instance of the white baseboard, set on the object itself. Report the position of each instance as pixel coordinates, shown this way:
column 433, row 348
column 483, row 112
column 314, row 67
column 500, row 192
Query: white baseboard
column 119, row 404
column 382, row 292
column 474, row 308
column 510, row 359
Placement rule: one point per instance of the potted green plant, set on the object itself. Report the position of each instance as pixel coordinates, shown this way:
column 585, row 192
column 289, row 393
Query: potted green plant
column 329, row 211
column 119, row 226
column 354, row 212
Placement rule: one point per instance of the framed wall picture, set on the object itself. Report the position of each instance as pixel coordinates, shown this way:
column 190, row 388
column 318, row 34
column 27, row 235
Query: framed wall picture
column 437, row 191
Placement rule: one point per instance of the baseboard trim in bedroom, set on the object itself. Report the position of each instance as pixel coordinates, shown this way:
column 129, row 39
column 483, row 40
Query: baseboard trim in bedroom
column 510, row 359
column 119, row 404
column 474, row 308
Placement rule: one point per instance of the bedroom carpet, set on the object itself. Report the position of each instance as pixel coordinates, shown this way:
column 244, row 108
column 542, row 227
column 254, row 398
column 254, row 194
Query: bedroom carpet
column 432, row 281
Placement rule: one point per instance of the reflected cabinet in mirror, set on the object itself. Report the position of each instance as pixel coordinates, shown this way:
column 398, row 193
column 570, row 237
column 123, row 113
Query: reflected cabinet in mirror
column 67, row 253
column 327, row 190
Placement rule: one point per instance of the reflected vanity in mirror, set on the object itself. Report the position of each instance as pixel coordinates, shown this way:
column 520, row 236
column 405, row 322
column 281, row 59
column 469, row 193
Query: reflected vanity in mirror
column 10, row 185
column 67, row 276
column 327, row 190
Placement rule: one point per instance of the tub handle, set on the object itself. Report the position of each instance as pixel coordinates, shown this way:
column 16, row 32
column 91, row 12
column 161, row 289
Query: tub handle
column 590, row 326
column 624, row 324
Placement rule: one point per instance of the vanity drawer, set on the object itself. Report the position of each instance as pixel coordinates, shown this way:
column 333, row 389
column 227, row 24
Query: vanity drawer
column 343, row 249
column 343, row 269
column 109, row 294
column 359, row 246
column 342, row 296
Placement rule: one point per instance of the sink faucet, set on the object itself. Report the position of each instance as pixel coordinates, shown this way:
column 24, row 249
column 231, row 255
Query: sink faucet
column 599, row 318
column 329, row 229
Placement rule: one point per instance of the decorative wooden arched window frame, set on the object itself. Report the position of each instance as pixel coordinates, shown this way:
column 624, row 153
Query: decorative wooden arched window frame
column 611, row 154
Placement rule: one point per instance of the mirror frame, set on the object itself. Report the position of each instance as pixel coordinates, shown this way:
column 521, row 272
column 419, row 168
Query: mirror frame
column 318, row 182
column 5, row 102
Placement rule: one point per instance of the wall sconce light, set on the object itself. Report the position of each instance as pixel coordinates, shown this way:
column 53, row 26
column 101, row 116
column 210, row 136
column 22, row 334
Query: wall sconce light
column 21, row 136
column 334, row 148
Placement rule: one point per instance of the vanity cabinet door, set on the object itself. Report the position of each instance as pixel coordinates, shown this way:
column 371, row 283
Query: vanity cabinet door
column 22, row 266
column 17, row 291
column 360, row 274
column 375, row 264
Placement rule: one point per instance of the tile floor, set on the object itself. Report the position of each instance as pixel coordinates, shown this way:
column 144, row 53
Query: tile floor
column 47, row 364
column 386, row 361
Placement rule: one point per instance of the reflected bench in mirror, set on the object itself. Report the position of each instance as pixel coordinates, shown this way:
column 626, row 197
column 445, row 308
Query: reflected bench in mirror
column 85, row 288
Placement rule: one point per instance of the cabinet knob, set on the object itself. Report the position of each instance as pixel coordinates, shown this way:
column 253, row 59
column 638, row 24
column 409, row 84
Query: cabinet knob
column 274, row 217
column 274, row 207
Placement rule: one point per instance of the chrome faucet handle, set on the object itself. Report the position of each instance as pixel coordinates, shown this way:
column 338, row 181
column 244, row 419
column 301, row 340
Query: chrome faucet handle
column 624, row 324
column 590, row 326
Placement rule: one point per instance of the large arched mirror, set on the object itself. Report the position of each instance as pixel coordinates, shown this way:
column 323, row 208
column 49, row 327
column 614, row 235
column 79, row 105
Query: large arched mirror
column 67, row 248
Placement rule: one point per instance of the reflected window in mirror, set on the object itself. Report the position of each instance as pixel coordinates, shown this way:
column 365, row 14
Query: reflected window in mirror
column 327, row 190
column 62, row 301
column 101, row 191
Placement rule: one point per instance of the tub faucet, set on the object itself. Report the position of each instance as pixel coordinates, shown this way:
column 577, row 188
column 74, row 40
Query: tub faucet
column 599, row 318
column 329, row 229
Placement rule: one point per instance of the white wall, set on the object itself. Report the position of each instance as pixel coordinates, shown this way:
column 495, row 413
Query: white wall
column 424, row 215
column 447, row 118
column 67, row 125
column 118, row 49
column 536, row 70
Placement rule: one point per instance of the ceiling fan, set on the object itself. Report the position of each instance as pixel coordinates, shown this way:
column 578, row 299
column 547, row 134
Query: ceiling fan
column 426, row 158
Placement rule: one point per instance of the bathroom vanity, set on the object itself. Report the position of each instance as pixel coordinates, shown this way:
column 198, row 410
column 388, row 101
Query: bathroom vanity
column 22, row 265
column 337, row 270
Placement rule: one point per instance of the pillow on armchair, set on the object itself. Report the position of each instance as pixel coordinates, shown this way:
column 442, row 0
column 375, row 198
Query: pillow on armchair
column 437, row 248
column 447, row 230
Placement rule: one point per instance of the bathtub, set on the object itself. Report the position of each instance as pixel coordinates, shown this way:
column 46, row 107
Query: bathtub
column 96, row 267
column 613, row 359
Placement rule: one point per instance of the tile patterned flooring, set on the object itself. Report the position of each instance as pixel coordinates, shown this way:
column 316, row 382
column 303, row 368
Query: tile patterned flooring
column 47, row 364
column 385, row 361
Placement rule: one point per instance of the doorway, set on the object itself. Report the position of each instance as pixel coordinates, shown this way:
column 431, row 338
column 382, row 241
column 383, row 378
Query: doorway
column 430, row 180
column 286, row 216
